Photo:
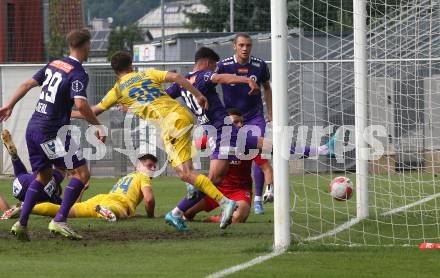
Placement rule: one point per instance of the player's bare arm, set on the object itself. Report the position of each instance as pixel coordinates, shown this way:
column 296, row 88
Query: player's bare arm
column 182, row 81
column 95, row 109
column 6, row 110
column 268, row 99
column 84, row 108
column 149, row 201
column 226, row 78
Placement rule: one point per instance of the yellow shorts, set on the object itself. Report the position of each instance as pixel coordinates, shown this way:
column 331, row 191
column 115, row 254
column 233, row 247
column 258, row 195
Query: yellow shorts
column 117, row 204
column 176, row 132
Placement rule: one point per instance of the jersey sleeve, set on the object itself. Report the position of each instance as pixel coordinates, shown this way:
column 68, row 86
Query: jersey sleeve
column 266, row 73
column 173, row 91
column 220, row 68
column 207, row 77
column 157, row 75
column 78, row 85
column 145, row 181
column 40, row 75
column 109, row 99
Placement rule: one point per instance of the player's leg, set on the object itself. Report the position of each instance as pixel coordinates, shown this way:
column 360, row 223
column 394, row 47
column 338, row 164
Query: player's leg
column 80, row 176
column 180, row 151
column 112, row 208
column 201, row 205
column 46, row 209
column 4, row 206
column 242, row 212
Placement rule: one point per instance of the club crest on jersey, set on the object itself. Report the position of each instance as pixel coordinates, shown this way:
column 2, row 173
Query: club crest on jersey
column 253, row 77
column 77, row 86
column 243, row 70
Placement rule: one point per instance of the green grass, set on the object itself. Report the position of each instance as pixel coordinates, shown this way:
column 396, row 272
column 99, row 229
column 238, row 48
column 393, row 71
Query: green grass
column 143, row 247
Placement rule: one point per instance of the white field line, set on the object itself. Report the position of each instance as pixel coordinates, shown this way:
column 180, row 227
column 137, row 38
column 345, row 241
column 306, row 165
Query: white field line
column 336, row 230
column 424, row 200
column 354, row 221
column 233, row 269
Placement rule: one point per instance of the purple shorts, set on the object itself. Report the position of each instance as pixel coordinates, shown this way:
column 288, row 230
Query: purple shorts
column 47, row 150
column 258, row 121
column 225, row 147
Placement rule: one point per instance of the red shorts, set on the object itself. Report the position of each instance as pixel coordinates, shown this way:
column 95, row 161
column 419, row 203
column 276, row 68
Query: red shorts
column 236, row 194
column 259, row 160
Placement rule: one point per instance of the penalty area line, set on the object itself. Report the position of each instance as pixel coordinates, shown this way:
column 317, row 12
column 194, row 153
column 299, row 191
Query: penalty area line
column 421, row 201
column 233, row 269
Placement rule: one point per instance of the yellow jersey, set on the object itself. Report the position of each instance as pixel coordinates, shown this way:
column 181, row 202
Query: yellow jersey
column 142, row 93
column 130, row 187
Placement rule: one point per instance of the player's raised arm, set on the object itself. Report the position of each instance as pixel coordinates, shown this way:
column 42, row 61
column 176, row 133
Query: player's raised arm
column 226, row 78
column 182, row 81
column 149, row 201
column 87, row 113
column 23, row 89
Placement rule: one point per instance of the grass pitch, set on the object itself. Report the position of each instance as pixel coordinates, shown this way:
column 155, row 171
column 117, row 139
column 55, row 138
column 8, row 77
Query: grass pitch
column 143, row 247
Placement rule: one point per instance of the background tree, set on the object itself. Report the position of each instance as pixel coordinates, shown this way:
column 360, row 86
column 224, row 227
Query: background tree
column 123, row 38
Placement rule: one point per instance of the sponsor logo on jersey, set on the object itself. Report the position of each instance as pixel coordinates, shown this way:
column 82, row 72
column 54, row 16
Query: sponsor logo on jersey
column 243, row 70
column 77, row 86
column 66, row 67
column 256, row 64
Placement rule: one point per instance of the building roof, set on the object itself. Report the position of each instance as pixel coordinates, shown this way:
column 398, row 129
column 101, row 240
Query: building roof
column 99, row 41
column 174, row 14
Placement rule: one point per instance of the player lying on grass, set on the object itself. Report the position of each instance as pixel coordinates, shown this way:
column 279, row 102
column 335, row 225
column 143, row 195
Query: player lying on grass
column 224, row 145
column 120, row 202
column 143, row 94
column 23, row 179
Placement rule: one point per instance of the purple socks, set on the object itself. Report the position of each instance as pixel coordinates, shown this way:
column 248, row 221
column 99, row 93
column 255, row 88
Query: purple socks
column 258, row 180
column 34, row 193
column 71, row 194
column 186, row 204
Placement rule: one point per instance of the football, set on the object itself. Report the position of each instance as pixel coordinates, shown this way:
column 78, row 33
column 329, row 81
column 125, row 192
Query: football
column 341, row 188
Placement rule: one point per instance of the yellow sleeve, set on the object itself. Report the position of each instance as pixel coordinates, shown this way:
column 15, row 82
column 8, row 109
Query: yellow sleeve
column 157, row 76
column 145, row 180
column 109, row 99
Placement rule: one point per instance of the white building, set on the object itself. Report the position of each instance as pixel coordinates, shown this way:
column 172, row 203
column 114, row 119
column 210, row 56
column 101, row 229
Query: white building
column 174, row 15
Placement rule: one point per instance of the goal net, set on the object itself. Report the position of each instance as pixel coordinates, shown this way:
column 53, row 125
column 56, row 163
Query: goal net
column 403, row 99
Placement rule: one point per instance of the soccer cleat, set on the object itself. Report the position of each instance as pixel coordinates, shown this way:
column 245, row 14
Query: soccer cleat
column 268, row 194
column 11, row 213
column 228, row 211
column 20, row 231
column 177, row 222
column 258, row 207
column 62, row 228
column 106, row 213
column 331, row 144
column 9, row 144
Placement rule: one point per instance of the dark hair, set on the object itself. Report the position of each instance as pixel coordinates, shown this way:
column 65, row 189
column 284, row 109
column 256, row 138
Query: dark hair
column 234, row 111
column 121, row 61
column 148, row 157
column 206, row 53
column 77, row 38
column 241, row 35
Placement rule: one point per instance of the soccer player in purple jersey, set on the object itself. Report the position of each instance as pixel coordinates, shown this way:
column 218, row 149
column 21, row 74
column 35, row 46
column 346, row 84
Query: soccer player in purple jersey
column 64, row 82
column 23, row 179
column 236, row 96
column 205, row 80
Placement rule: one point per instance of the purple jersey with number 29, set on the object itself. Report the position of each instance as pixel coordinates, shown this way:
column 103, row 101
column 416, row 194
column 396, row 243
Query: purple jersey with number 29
column 61, row 82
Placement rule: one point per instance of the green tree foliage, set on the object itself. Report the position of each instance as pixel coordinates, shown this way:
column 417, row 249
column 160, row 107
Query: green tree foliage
column 254, row 15
column 123, row 39
column 57, row 43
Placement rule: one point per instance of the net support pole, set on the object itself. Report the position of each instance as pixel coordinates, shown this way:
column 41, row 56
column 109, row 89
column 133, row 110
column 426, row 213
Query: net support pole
column 280, row 120
column 360, row 97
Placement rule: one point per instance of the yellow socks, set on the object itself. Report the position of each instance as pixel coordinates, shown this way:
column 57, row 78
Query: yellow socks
column 206, row 186
column 46, row 209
